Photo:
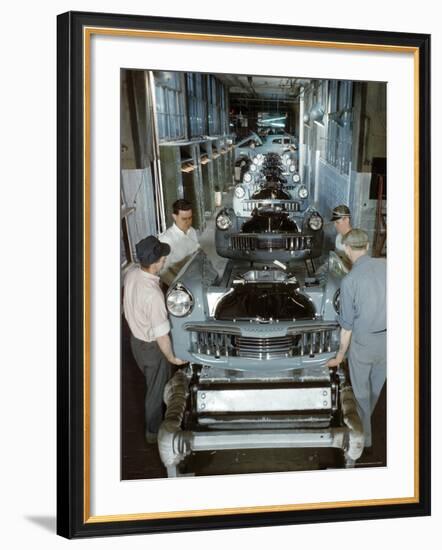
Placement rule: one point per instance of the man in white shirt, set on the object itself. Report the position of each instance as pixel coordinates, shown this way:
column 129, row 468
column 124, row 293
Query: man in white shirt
column 146, row 315
column 182, row 239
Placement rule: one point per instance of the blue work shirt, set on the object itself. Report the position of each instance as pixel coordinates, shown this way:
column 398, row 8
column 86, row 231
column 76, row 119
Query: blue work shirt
column 363, row 300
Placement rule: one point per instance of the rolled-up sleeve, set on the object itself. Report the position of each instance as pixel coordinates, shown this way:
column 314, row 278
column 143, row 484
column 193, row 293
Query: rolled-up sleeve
column 346, row 307
column 160, row 322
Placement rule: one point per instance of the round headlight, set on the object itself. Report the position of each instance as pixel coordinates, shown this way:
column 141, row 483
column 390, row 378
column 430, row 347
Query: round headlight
column 253, row 168
column 296, row 178
column 239, row 192
column 179, row 301
column 260, row 156
column 302, row 192
column 247, row 177
column 223, row 221
column 292, row 168
column 255, row 160
column 337, row 301
column 315, row 221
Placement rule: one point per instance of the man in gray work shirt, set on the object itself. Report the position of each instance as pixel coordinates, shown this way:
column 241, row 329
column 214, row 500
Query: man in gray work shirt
column 363, row 325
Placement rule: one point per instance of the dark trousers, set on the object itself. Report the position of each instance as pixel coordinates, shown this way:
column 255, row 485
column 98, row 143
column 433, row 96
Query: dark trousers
column 157, row 372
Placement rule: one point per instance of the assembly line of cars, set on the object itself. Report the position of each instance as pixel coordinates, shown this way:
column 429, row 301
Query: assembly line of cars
column 258, row 335
column 271, row 218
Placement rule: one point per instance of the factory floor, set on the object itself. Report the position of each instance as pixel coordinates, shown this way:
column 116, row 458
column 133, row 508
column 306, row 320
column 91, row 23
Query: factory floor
column 142, row 461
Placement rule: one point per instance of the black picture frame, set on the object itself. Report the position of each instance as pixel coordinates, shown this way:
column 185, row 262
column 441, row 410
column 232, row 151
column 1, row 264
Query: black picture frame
column 73, row 518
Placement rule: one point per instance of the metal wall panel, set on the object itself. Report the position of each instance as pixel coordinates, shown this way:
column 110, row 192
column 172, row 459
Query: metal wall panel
column 138, row 193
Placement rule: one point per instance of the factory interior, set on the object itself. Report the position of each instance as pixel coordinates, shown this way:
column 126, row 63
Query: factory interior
column 189, row 136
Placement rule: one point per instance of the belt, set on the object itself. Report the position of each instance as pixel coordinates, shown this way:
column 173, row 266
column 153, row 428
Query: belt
column 379, row 331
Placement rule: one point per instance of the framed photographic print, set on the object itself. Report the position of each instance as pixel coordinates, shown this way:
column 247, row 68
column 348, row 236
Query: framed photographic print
column 243, row 263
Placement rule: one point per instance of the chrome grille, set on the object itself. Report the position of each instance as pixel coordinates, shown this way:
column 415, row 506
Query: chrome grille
column 305, row 343
column 213, row 343
column 252, row 242
column 243, row 242
column 298, row 243
column 263, row 348
column 289, row 206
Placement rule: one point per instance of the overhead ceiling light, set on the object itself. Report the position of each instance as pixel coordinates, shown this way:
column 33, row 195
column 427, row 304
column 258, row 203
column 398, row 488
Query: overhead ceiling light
column 340, row 117
column 316, row 113
column 274, row 119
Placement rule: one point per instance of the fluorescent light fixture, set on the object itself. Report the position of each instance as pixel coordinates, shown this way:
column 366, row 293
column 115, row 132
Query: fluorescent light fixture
column 274, row 119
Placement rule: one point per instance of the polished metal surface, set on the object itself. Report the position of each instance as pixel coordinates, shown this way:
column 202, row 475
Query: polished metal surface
column 261, row 439
column 290, row 205
column 295, row 344
column 274, row 399
column 247, row 241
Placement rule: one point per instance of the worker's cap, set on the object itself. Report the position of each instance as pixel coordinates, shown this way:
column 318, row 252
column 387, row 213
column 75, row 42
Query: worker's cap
column 339, row 212
column 150, row 250
column 356, row 238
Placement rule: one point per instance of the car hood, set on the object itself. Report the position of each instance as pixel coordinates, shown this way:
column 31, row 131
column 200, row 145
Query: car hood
column 262, row 222
column 265, row 301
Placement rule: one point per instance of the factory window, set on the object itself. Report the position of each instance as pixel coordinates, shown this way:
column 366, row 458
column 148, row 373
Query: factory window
column 339, row 132
column 170, row 106
column 224, row 119
column 196, row 104
column 216, row 106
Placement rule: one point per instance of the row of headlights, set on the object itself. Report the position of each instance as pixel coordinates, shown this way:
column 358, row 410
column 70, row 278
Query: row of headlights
column 224, row 221
column 248, row 177
column 259, row 161
column 302, row 190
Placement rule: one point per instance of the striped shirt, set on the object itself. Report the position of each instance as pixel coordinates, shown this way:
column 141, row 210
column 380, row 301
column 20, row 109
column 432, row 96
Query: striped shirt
column 144, row 306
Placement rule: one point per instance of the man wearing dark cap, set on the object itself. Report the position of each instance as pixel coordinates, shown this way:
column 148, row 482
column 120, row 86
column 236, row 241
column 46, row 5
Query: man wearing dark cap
column 146, row 314
column 342, row 221
column 363, row 325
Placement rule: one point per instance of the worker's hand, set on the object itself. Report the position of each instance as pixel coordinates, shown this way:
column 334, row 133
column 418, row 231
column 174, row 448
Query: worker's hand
column 176, row 361
column 335, row 362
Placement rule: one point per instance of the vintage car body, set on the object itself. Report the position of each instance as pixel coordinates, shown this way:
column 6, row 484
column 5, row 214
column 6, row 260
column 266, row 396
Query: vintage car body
column 274, row 143
column 270, row 217
column 257, row 340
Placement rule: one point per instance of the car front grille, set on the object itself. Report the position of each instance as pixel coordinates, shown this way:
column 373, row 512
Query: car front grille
column 289, row 206
column 305, row 343
column 254, row 242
